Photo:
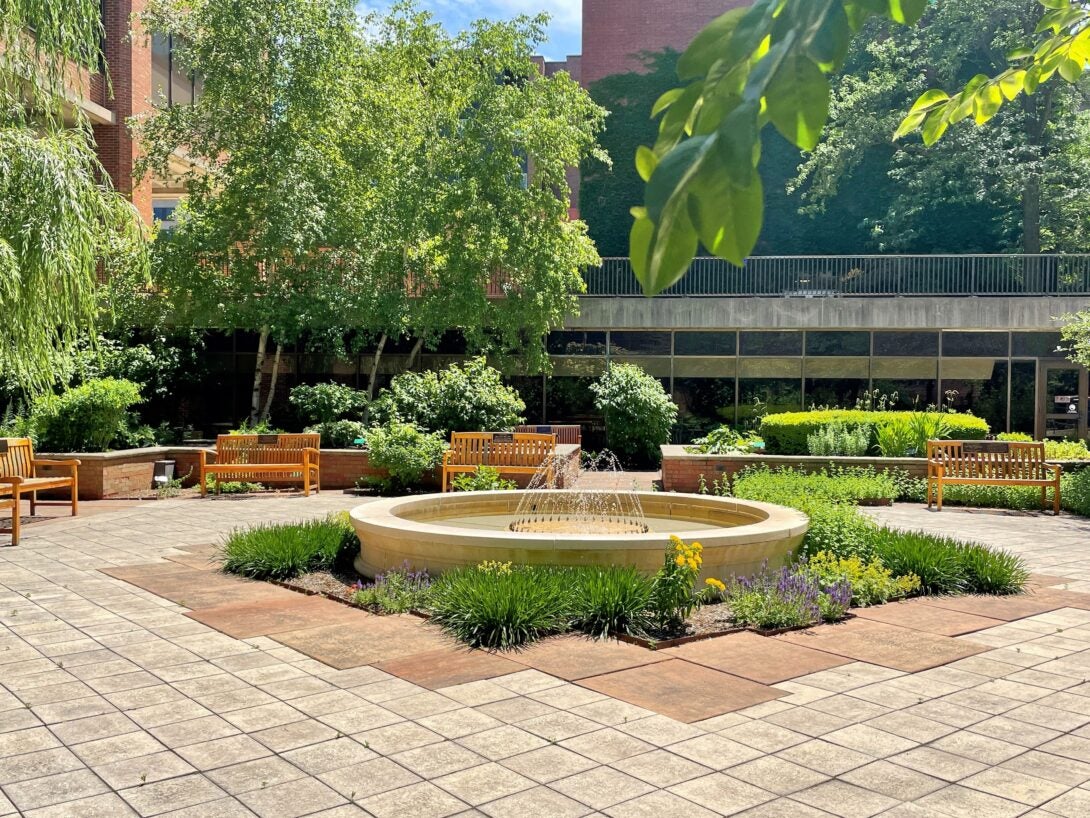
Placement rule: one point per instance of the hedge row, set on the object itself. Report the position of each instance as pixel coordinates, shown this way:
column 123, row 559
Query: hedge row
column 786, row 432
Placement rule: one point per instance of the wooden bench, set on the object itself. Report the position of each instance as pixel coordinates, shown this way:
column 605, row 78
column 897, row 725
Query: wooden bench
column 507, row 452
column 565, row 433
column 990, row 463
column 19, row 477
column 263, row 459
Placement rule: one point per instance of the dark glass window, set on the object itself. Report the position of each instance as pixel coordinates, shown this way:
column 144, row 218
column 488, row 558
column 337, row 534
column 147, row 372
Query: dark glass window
column 639, row 343
column 1036, row 345
column 774, row 395
column 171, row 84
column 705, row 343
column 974, row 344
column 906, row 344
column 704, row 404
column 841, row 393
column 984, row 397
column 840, row 344
column 771, row 343
column 910, row 393
column 572, row 342
column 1024, row 396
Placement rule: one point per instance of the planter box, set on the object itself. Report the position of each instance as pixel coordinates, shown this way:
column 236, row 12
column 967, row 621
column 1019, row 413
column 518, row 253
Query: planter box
column 682, row 470
column 123, row 473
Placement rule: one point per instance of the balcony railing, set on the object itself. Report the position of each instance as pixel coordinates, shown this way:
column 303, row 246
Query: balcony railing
column 854, row 276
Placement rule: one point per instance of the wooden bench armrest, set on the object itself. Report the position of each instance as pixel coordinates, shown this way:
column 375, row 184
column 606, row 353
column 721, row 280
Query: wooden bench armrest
column 14, row 479
column 1057, row 469
column 71, row 465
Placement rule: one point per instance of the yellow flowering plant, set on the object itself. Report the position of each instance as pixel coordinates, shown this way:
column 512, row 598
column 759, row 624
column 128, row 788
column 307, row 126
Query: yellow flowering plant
column 674, row 595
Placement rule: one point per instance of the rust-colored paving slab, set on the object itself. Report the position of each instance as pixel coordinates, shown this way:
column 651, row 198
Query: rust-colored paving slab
column 917, row 615
column 891, row 646
column 1006, row 608
column 367, row 640
column 574, row 657
column 682, row 690
column 1047, row 580
column 755, row 657
column 195, row 588
column 248, row 619
column 1068, row 599
column 444, row 668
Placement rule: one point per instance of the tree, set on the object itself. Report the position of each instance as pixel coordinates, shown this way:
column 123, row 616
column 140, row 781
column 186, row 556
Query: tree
column 60, row 221
column 769, row 64
column 1013, row 185
column 386, row 179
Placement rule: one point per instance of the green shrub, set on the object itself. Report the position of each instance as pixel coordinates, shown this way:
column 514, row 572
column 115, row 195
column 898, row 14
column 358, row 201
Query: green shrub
column 285, row 550
column 935, row 560
column 231, row 486
column 398, row 590
column 989, row 571
column 1017, row 498
column 486, row 478
column 1054, row 449
column 339, row 434
column 786, row 432
column 1075, row 492
column 261, row 426
column 725, row 440
column 87, row 418
column 638, row 412
column 925, row 426
column 324, row 403
column 895, row 438
column 840, row 440
column 611, row 601
column 468, row 397
column 785, row 598
column 499, row 607
column 871, row 582
column 404, row 451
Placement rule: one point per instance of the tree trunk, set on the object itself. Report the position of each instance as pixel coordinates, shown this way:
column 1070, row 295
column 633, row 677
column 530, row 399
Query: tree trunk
column 374, row 368
column 255, row 396
column 272, row 383
column 414, row 354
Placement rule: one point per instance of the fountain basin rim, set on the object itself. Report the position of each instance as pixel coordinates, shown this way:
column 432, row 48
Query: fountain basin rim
column 760, row 519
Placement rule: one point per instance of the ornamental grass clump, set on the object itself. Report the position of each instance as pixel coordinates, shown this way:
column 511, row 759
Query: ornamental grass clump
column 285, row 550
column 500, row 606
column 934, row 560
column 611, row 601
column 989, row 571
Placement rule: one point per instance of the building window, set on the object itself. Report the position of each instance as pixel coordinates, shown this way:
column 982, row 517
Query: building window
column 163, row 211
column 837, row 344
column 171, row 84
column 771, row 343
column 639, row 343
column 906, row 344
column 704, row 343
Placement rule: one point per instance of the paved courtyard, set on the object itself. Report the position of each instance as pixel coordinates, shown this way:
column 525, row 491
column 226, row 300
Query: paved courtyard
column 117, row 700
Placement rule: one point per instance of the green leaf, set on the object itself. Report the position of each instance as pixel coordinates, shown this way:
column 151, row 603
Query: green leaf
column 928, row 99
column 986, row 103
column 639, row 243
column 673, row 173
column 737, row 143
column 645, row 162
column 672, row 126
column 1055, row 4
column 709, row 45
column 798, row 101
column 1070, row 70
column 1011, row 83
column 672, row 249
column 1020, row 54
column 934, row 127
column 665, row 101
column 751, row 30
column 907, row 11
column 829, row 43
column 727, row 218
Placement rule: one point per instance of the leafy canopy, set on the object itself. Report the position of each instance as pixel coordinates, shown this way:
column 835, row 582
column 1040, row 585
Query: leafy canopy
column 60, row 221
column 770, row 65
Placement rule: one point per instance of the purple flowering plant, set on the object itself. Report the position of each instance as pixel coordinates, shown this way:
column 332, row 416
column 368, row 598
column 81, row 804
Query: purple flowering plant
column 397, row 590
column 785, row 598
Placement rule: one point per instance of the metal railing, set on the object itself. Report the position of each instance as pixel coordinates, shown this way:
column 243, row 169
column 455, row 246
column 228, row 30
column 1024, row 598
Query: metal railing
column 848, row 276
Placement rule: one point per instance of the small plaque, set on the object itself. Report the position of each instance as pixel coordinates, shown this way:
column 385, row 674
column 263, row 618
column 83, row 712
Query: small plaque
column 268, row 440
column 503, row 437
column 986, row 447
column 3, row 446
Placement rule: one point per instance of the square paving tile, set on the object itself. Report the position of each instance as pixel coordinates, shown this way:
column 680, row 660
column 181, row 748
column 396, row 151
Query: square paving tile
column 887, row 645
column 756, row 657
column 248, row 619
column 368, row 640
column 445, row 668
column 917, row 615
column 573, row 657
column 682, row 690
column 1006, row 608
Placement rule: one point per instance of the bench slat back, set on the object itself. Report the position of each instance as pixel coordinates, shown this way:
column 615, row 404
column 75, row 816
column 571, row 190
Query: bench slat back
column 566, row 433
column 515, row 449
column 16, row 457
column 237, row 449
column 992, row 460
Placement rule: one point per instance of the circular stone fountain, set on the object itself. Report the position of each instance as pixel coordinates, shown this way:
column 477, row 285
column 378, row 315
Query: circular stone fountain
column 437, row 532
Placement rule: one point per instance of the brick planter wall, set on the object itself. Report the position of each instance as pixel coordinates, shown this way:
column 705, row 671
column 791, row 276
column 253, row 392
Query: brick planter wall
column 681, row 470
column 106, row 475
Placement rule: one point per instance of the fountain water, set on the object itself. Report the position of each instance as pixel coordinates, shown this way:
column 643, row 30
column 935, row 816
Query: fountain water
column 589, row 500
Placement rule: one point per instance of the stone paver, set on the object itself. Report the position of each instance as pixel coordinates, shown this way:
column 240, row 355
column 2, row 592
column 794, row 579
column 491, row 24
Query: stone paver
column 114, row 701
